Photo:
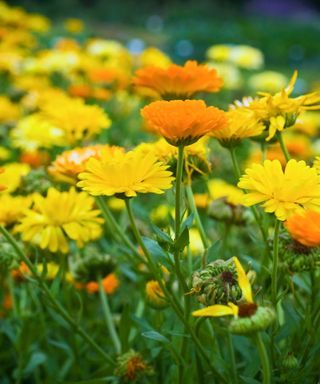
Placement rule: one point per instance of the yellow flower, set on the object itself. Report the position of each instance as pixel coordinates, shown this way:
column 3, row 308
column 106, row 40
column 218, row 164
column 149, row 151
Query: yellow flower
column 33, row 132
column 218, row 189
column 230, row 74
column 73, row 25
column 242, row 124
column 9, row 112
column 183, row 122
column 58, row 217
column 155, row 295
column 77, row 120
column 125, row 174
column 69, row 164
column 11, row 177
column 241, row 310
column 153, row 56
column 4, row 153
column 268, row 81
column 308, row 123
column 12, row 208
column 179, row 82
column 283, row 193
column 280, row 111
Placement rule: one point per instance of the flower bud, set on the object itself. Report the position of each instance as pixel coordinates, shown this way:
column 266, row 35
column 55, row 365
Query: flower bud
column 155, row 296
column 252, row 318
column 221, row 210
column 217, row 283
column 290, row 361
column 131, row 367
column 36, row 180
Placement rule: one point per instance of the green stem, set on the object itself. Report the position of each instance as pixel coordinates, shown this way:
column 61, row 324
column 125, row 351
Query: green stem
column 109, row 218
column 254, row 210
column 62, row 312
column 179, row 190
column 264, row 358
column 171, row 298
column 274, row 274
column 194, row 210
column 108, row 318
column 283, row 146
column 232, row 359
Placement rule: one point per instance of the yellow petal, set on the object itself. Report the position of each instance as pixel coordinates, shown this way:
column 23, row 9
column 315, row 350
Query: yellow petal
column 214, row 311
column 243, row 281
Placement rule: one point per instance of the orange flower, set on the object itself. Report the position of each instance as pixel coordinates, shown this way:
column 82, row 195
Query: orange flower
column 183, row 122
column 20, row 273
column 179, row 82
column 305, row 228
column 34, row 159
column 69, row 164
column 110, row 284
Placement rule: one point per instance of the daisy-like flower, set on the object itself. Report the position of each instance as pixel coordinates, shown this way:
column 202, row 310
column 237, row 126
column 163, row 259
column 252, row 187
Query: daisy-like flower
column 218, row 189
column 280, row 111
column 305, row 228
column 58, row 217
column 125, row 175
column 77, row 120
column 12, row 208
column 248, row 316
column 9, row 112
column 33, row 132
column 183, row 122
column 242, row 123
column 179, row 82
column 69, row 164
column 12, row 174
column 283, row 193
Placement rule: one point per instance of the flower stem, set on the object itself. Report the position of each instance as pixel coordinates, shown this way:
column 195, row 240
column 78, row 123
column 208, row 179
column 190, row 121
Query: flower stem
column 115, row 226
column 194, row 210
column 179, row 190
column 171, row 298
column 254, row 210
column 108, row 317
column 264, row 358
column 274, row 274
column 232, row 359
column 59, row 308
column 283, row 146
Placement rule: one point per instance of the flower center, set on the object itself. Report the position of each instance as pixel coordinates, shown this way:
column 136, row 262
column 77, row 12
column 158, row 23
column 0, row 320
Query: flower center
column 247, row 309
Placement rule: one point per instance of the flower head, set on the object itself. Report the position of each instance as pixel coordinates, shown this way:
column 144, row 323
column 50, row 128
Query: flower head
column 183, row 122
column 242, row 124
column 305, row 228
column 12, row 174
column 155, row 295
column 283, row 193
column 58, row 217
column 69, row 164
column 12, row 208
column 179, row 82
column 125, row 174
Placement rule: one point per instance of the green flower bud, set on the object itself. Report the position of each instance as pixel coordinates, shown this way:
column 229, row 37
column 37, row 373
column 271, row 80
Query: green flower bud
column 92, row 265
column 131, row 367
column 290, row 362
column 252, row 319
column 299, row 258
column 217, row 283
column 221, row 210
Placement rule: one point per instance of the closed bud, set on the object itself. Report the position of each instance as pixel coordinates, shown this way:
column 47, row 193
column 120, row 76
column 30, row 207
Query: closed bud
column 155, row 296
column 217, row 283
column 290, row 361
column 252, row 318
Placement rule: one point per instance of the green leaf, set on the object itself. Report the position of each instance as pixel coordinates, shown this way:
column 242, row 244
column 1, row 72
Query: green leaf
column 183, row 240
column 37, row 358
column 161, row 235
column 154, row 335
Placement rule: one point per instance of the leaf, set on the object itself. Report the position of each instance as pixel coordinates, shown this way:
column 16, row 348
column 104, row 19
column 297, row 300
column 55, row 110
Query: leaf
column 213, row 251
column 161, row 235
column 36, row 359
column 158, row 254
column 187, row 223
column 183, row 240
column 154, row 335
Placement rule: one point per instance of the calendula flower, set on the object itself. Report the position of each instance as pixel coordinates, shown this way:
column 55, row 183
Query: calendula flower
column 73, row 25
column 77, row 120
column 12, row 175
column 280, row 111
column 283, row 193
column 58, row 217
column 305, row 228
column 9, row 112
column 12, row 208
column 179, row 82
column 125, row 174
column 183, row 122
column 242, row 123
column 69, row 164
column 152, row 56
column 110, row 284
column 131, row 367
column 268, row 81
column 219, row 188
column 34, row 132
column 248, row 316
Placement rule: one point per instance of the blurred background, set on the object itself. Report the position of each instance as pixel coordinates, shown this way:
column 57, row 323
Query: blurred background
column 287, row 31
